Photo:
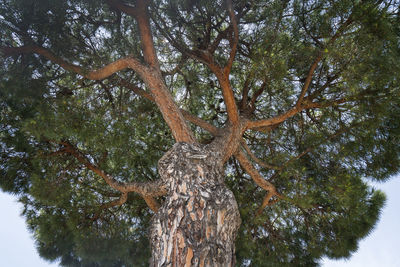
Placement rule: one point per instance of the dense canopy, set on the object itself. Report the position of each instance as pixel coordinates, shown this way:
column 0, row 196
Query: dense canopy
column 311, row 86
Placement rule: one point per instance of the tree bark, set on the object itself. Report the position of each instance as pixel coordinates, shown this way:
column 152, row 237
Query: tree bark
column 198, row 222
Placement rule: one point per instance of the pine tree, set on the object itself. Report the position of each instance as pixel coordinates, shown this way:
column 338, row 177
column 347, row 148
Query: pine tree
column 198, row 133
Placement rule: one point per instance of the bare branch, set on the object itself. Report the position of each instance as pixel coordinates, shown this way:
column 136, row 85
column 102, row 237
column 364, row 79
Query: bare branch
column 258, row 179
column 142, row 17
column 188, row 116
column 151, row 203
column 234, row 42
column 118, row 202
column 102, row 73
column 245, row 91
column 275, row 120
column 227, row 92
column 308, row 79
column 153, row 188
column 257, row 160
column 201, row 123
column 310, row 74
column 257, row 94
column 293, row 111
column 255, row 175
column 266, row 202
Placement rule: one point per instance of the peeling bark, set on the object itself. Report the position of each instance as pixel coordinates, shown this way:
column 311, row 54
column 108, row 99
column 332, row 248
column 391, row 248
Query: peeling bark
column 198, row 222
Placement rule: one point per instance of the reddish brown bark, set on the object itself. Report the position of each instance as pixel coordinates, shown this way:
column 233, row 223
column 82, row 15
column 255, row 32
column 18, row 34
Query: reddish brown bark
column 163, row 98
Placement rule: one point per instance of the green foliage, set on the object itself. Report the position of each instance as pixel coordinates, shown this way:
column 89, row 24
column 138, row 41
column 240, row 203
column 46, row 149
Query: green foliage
column 328, row 204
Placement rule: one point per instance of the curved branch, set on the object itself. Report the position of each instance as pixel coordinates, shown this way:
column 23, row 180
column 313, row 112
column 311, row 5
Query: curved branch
column 118, row 202
column 199, row 122
column 188, row 116
column 255, row 175
column 308, row 79
column 294, row 110
column 275, row 120
column 206, row 57
column 267, row 201
column 99, row 74
column 257, row 160
column 151, row 203
column 310, row 74
column 153, row 188
column 151, row 75
column 258, row 179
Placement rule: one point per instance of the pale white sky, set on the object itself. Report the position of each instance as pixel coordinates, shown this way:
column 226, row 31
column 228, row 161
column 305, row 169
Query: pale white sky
column 379, row 249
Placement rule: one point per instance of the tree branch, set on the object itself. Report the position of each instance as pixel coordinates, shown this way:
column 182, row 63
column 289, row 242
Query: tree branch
column 188, row 116
column 151, row 203
column 118, row 202
column 227, row 92
column 255, row 175
column 293, row 111
column 163, row 98
column 177, row 68
column 142, row 17
column 308, row 79
column 275, row 120
column 267, row 201
column 152, row 77
column 234, row 42
column 201, row 123
column 259, row 180
column 99, row 74
column 153, row 188
column 310, row 74
column 257, row 160
column 206, row 57
column 256, row 95
column 245, row 92
column 221, row 35
column 151, row 74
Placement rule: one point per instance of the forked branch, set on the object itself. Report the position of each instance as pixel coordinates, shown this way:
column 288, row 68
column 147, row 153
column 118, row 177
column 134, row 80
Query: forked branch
column 187, row 115
column 257, row 160
column 257, row 178
column 147, row 190
column 314, row 65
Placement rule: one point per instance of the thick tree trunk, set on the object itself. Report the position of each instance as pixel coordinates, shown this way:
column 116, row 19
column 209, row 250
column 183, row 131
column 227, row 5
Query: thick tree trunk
column 199, row 220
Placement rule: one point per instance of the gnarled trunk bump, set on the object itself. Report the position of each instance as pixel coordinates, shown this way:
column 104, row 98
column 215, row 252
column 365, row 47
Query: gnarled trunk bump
column 198, row 222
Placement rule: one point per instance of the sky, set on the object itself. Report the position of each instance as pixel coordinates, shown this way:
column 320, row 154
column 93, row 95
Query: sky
column 380, row 248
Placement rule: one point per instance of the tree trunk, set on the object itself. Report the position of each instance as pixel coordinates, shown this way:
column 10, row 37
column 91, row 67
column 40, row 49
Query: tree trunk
column 198, row 222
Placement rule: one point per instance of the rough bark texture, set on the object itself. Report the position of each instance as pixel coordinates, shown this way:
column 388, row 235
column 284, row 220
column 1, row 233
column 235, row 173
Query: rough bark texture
column 199, row 220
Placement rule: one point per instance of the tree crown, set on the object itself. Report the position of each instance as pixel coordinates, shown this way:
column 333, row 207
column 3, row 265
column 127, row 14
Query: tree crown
column 301, row 98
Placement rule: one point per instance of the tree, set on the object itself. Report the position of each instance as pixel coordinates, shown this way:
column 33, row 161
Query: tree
column 287, row 107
